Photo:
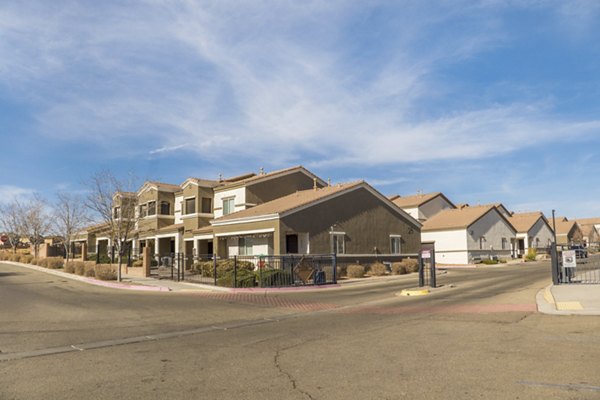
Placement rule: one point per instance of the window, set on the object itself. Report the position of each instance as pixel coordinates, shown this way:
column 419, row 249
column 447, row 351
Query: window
column 206, row 205
column 481, row 242
column 537, row 242
column 152, row 208
column 165, row 208
column 395, row 244
column 337, row 243
column 190, row 206
column 245, row 246
column 143, row 210
column 228, row 205
column 116, row 212
column 504, row 243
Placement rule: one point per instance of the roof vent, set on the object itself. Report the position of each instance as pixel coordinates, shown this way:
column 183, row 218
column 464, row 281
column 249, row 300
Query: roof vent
column 315, row 184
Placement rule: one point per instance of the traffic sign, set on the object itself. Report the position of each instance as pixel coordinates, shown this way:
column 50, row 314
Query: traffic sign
column 4, row 238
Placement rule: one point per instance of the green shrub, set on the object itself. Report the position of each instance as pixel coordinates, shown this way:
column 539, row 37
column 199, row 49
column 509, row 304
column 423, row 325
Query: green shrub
column 244, row 279
column 54, row 262
column 399, row 268
column 377, row 269
column 487, row 261
column 355, row 271
column 531, row 254
column 274, row 278
column 206, row 268
column 105, row 272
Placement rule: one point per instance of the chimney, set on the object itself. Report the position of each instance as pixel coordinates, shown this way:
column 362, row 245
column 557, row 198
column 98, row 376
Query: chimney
column 315, row 184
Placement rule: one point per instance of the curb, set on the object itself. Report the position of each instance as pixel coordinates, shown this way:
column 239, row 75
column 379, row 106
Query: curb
column 91, row 281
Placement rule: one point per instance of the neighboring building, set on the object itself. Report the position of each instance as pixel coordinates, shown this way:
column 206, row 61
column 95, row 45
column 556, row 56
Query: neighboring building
column 351, row 218
column 533, row 231
column 568, row 232
column 423, row 206
column 464, row 236
column 591, row 230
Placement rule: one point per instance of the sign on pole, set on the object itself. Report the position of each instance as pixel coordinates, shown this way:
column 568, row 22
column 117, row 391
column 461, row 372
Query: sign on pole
column 4, row 238
column 569, row 259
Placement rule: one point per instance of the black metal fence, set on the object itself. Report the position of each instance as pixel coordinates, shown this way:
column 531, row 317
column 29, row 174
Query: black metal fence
column 574, row 266
column 263, row 271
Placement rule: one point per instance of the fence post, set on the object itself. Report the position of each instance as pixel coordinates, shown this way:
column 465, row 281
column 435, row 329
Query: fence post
column 334, row 262
column 215, row 268
column 234, row 272
column 421, row 271
column 554, row 264
column 261, row 266
column 183, row 260
column 172, row 271
column 432, row 281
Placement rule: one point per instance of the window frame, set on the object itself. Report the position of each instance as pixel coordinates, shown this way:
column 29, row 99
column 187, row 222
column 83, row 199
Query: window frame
column 230, row 201
column 396, row 239
column 206, row 201
column 335, row 242
column 186, row 205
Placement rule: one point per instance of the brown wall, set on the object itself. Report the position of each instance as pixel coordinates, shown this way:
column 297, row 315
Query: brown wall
column 197, row 222
column 366, row 220
column 278, row 187
column 152, row 223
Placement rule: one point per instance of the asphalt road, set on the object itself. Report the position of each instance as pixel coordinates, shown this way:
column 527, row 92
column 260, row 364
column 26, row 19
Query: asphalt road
column 478, row 336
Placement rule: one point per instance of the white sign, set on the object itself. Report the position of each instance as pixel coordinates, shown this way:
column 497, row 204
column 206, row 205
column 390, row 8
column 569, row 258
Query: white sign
column 426, row 254
column 569, row 259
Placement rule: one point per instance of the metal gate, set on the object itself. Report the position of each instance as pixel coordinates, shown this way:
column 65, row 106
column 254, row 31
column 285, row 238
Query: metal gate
column 574, row 266
column 169, row 267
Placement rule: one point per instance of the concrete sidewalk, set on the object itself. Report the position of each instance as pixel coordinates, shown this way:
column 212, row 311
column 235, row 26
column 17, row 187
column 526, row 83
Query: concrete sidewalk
column 569, row 300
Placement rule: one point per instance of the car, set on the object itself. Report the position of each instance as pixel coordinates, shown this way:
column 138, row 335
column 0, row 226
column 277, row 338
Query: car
column 580, row 251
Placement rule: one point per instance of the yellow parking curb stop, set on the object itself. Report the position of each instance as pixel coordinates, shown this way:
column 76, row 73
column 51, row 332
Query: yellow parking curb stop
column 413, row 292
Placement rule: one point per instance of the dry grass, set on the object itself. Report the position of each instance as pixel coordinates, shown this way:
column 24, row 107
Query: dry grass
column 377, row 269
column 355, row 271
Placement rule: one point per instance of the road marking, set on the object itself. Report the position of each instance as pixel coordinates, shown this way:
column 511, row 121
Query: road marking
column 561, row 386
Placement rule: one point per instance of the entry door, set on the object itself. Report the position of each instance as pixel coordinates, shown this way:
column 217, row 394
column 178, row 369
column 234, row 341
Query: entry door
column 291, row 244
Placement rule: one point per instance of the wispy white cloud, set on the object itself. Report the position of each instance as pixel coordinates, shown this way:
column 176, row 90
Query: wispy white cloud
column 276, row 83
column 10, row 193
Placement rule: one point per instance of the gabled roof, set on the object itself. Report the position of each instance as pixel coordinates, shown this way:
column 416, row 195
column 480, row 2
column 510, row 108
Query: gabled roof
column 200, row 182
column 523, row 222
column 168, row 187
column 587, row 221
column 416, row 200
column 253, row 178
column 294, row 202
column 459, row 218
column 563, row 227
column 588, row 229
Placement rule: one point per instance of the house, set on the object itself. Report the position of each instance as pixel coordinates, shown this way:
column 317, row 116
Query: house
column 423, row 206
column 351, row 218
column 591, row 230
column 469, row 234
column 533, row 232
column 568, row 232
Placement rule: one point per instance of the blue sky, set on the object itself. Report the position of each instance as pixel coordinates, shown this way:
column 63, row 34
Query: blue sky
column 486, row 101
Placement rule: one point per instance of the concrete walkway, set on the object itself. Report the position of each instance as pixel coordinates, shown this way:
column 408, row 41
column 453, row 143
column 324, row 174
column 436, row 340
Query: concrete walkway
column 572, row 299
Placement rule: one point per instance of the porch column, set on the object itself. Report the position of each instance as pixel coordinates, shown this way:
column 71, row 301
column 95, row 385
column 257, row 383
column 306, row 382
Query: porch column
column 84, row 251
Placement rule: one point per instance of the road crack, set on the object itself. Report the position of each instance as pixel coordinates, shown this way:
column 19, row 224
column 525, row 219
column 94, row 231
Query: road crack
column 293, row 381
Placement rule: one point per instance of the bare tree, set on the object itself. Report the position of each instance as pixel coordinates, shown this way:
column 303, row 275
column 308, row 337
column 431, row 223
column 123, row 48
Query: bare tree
column 70, row 217
column 114, row 202
column 11, row 221
column 36, row 221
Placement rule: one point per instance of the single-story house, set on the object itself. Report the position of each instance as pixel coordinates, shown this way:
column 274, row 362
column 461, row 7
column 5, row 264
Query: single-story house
column 568, row 232
column 533, row 232
column 351, row 218
column 423, row 206
column 466, row 235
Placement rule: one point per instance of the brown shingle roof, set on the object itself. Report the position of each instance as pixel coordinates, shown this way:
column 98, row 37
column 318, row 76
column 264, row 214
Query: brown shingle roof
column 456, row 218
column 170, row 228
column 162, row 185
column 564, row 227
column 523, row 222
column 203, row 230
column 587, row 221
column 289, row 202
column 414, row 200
column 203, row 182
column 587, row 229
column 257, row 178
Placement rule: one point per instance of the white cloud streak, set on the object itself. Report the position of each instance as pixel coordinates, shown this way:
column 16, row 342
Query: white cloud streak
column 273, row 82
